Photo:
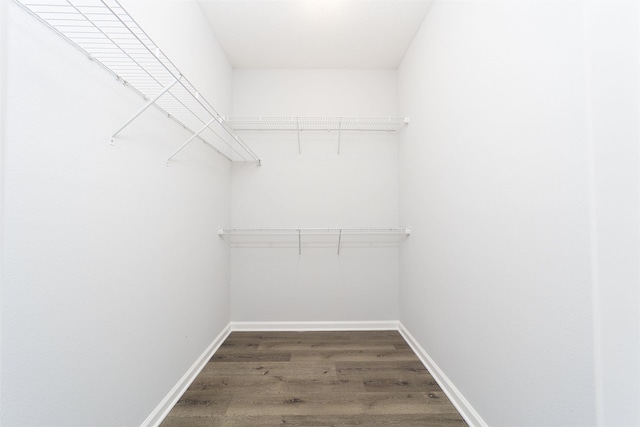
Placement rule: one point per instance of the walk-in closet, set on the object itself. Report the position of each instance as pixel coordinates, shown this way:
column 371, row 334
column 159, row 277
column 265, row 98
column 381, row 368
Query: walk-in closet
column 340, row 212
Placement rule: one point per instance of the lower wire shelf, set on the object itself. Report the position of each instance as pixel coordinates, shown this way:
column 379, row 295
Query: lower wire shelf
column 313, row 237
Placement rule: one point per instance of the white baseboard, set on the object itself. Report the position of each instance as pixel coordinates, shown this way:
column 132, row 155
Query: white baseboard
column 315, row 326
column 163, row 408
column 462, row 405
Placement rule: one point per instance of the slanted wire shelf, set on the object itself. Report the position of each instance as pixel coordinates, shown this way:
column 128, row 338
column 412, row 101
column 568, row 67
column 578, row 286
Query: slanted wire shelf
column 108, row 35
column 313, row 237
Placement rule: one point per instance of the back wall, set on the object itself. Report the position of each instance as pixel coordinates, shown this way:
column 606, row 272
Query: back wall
column 318, row 188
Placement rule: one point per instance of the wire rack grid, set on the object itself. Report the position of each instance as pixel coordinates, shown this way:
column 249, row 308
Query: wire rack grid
column 108, row 35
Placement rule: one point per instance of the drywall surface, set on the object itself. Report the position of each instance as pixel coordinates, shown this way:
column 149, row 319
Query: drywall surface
column 3, row 127
column 113, row 278
column 318, row 188
column 494, row 179
column 613, row 36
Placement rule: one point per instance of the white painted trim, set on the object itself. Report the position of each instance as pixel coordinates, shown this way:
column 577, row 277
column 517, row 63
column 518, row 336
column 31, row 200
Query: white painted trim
column 160, row 412
column 315, row 326
column 462, row 405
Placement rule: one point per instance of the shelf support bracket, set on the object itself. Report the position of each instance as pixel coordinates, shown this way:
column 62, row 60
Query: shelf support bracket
column 299, row 243
column 339, row 135
column 339, row 240
column 188, row 141
column 298, row 129
column 146, row 106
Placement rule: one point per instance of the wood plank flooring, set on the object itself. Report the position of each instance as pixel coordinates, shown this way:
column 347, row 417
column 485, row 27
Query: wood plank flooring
column 312, row 379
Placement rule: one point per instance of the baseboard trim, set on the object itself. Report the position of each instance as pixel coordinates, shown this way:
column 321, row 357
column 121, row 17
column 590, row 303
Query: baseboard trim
column 462, row 405
column 315, row 326
column 160, row 412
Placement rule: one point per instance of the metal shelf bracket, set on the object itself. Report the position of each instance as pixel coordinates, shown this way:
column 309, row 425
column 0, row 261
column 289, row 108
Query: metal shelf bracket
column 143, row 109
column 298, row 132
column 188, row 141
column 339, row 135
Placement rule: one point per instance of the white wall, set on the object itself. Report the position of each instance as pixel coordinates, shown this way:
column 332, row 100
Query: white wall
column 495, row 181
column 3, row 128
column 113, row 278
column 613, row 37
column 318, row 188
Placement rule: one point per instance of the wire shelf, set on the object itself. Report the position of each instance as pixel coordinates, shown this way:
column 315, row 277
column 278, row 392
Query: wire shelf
column 313, row 237
column 108, row 35
column 301, row 124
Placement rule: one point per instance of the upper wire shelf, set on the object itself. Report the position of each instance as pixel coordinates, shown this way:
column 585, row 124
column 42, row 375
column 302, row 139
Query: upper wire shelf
column 299, row 124
column 108, row 35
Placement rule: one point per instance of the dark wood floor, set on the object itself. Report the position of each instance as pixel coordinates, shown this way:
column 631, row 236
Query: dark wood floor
column 314, row 379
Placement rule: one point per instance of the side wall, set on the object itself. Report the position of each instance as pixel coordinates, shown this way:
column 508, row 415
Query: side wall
column 613, row 37
column 113, row 278
column 317, row 188
column 495, row 180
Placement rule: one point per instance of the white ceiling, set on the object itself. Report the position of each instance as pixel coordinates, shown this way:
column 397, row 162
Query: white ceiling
column 315, row 33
